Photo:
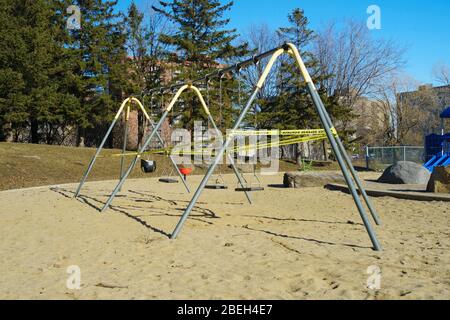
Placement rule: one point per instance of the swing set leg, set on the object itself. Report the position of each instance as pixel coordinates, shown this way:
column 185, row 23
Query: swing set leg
column 134, row 162
column 99, row 149
column 240, row 179
column 171, row 159
column 233, row 165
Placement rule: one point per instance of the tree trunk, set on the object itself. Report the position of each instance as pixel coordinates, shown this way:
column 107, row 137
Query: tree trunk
column 141, row 127
column 2, row 132
column 34, row 131
column 325, row 152
column 298, row 154
column 80, row 137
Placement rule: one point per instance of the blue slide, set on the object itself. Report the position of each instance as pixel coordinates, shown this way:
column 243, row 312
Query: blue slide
column 438, row 161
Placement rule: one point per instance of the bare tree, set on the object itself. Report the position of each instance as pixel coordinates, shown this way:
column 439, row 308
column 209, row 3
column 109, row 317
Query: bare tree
column 441, row 73
column 357, row 61
column 260, row 38
column 406, row 113
column 146, row 67
column 143, row 32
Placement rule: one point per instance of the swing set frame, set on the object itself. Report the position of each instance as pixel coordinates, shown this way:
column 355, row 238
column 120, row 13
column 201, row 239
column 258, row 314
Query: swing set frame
column 350, row 175
column 338, row 148
column 124, row 111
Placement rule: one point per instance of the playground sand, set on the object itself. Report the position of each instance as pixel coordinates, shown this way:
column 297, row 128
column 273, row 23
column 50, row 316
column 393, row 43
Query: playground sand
column 290, row 244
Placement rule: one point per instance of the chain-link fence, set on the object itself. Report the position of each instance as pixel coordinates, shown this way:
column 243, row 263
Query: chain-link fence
column 379, row 158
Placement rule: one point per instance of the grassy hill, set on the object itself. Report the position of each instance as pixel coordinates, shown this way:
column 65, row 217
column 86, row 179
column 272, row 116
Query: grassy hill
column 29, row 165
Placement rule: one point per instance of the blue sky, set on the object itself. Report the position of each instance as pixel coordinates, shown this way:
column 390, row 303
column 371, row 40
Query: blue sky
column 422, row 26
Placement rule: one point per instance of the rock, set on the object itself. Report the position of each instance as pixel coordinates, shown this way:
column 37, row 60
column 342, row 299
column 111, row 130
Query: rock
column 440, row 180
column 405, row 172
column 310, row 179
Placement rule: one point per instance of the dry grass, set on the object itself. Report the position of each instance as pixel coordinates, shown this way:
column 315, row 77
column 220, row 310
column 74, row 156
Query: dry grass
column 29, row 165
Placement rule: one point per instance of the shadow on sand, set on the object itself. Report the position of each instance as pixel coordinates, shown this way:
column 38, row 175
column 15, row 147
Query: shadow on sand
column 199, row 213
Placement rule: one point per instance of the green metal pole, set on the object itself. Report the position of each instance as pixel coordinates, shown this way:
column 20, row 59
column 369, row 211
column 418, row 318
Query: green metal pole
column 124, row 148
column 211, row 169
column 94, row 158
column 347, row 160
column 133, row 164
column 339, row 157
column 233, row 165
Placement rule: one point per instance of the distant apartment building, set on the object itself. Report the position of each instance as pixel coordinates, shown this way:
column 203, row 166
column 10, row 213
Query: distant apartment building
column 369, row 121
column 429, row 101
column 441, row 94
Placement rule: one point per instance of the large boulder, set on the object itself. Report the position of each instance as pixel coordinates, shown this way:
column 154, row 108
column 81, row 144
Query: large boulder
column 440, row 180
column 310, row 179
column 405, row 172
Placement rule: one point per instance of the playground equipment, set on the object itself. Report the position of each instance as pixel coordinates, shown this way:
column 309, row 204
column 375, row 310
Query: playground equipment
column 167, row 178
column 437, row 147
column 185, row 172
column 251, row 186
column 336, row 143
column 154, row 132
column 148, row 167
column 218, row 184
column 329, row 132
column 438, row 161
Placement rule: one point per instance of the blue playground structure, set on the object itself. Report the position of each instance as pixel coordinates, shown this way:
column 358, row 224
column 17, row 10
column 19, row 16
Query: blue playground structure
column 437, row 147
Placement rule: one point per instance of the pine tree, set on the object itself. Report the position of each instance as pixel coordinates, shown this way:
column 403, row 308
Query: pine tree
column 298, row 108
column 99, row 59
column 293, row 107
column 137, row 36
column 201, row 42
column 31, row 77
column 146, row 51
column 12, row 49
column 53, row 80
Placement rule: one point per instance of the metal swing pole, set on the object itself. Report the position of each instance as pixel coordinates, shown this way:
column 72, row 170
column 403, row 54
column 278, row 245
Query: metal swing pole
column 317, row 103
column 125, row 137
column 342, row 164
column 208, row 112
column 158, row 136
column 134, row 162
column 99, row 149
column 232, row 163
column 361, row 189
column 211, row 170
column 227, row 142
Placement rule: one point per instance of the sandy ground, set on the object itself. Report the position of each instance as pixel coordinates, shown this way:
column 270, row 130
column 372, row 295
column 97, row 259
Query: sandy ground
column 290, row 244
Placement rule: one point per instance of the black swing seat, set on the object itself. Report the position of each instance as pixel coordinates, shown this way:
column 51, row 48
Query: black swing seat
column 216, row 187
column 148, row 166
column 168, row 180
column 249, row 189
